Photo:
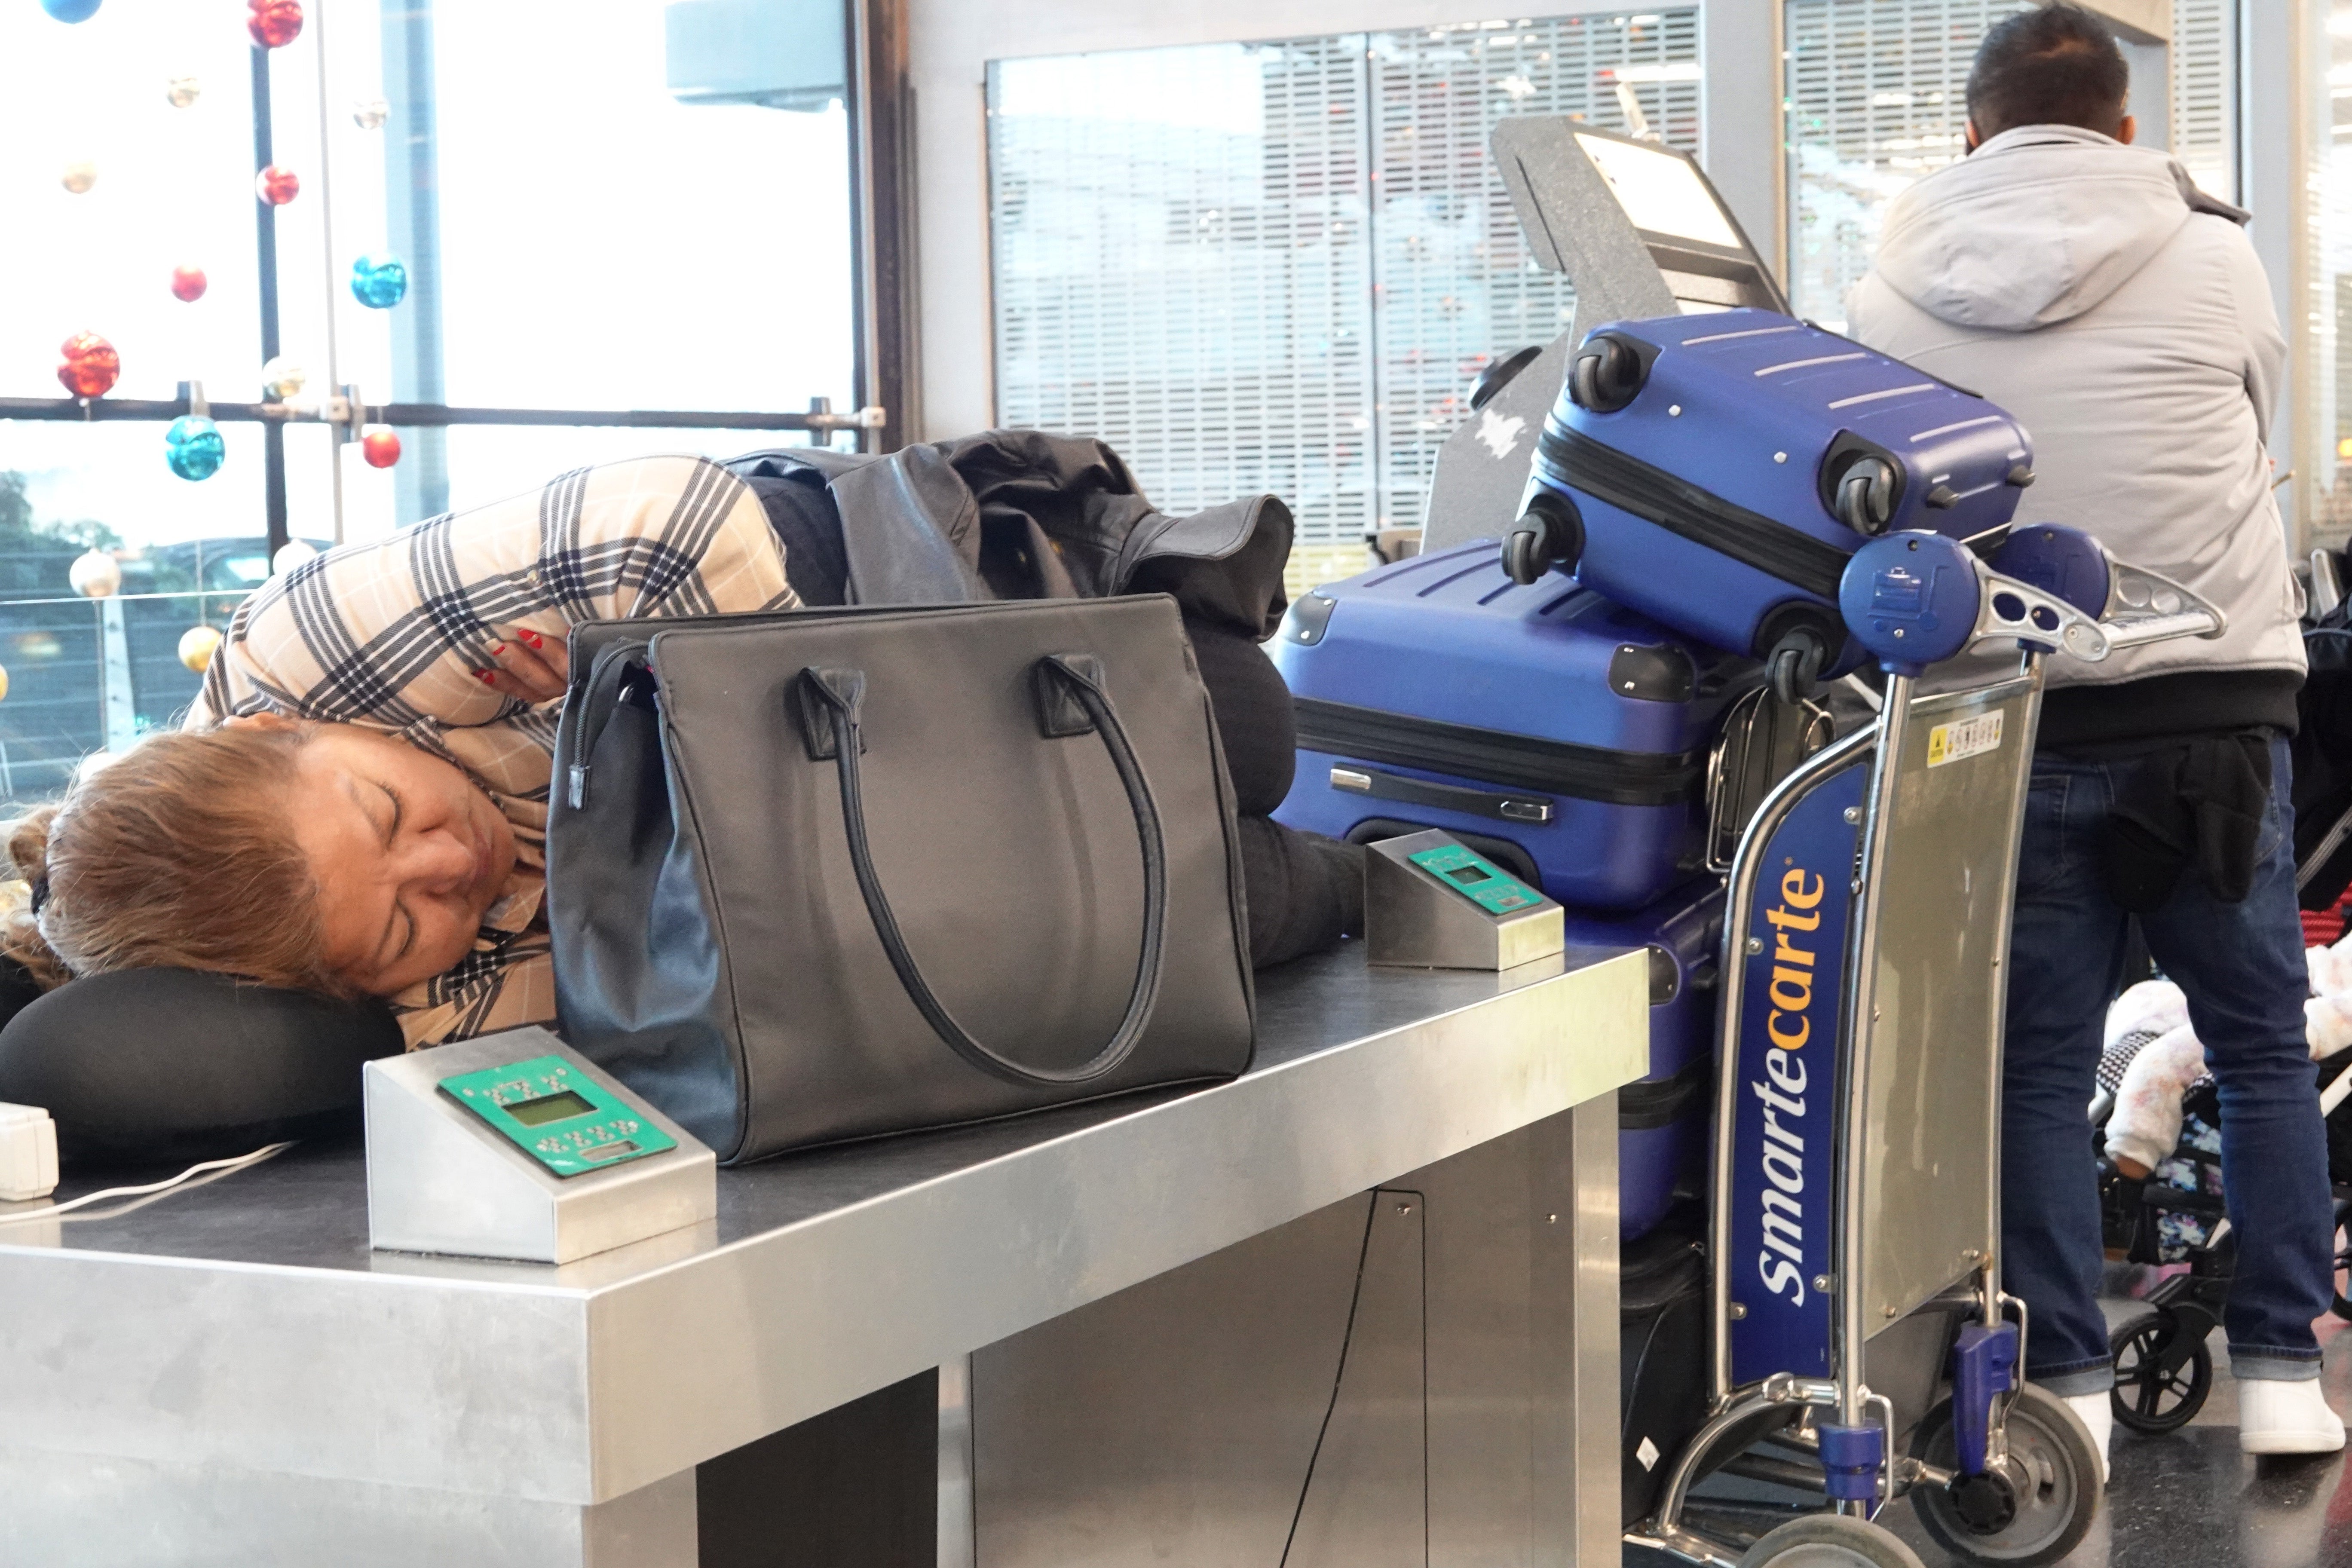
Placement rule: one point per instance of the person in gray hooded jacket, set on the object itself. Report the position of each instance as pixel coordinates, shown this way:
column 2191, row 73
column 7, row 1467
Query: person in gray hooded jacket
column 2086, row 286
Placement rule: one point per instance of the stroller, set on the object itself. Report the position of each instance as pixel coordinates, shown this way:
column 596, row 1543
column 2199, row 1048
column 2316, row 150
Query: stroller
column 2164, row 1369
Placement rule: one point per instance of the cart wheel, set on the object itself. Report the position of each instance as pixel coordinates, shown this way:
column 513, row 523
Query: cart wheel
column 2146, row 1398
column 1831, row 1540
column 2051, row 1486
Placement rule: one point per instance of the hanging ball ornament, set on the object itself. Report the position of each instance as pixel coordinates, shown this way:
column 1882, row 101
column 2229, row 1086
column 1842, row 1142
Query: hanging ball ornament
column 194, row 447
column 380, row 447
column 369, row 113
column 89, row 366
column 71, row 10
column 282, row 378
column 197, row 646
column 189, row 283
column 276, row 185
column 184, row 90
column 379, row 280
column 4, row 681
column 274, row 24
column 95, row 575
column 78, row 177
column 293, row 553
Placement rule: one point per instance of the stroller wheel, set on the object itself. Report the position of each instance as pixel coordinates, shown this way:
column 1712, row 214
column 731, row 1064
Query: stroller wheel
column 1830, row 1541
column 2161, row 1383
column 2052, row 1472
column 2341, row 1307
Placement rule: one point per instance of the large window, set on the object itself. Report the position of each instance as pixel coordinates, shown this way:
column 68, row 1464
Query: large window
column 1279, row 265
column 2327, row 385
column 1874, row 96
column 602, row 210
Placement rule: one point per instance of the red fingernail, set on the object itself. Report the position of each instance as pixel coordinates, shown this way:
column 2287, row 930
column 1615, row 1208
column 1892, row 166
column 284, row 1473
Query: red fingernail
column 497, row 648
column 528, row 636
column 488, row 677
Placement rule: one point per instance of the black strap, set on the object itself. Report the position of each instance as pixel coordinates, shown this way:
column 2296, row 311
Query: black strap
column 1498, row 757
column 1060, row 677
column 1674, row 504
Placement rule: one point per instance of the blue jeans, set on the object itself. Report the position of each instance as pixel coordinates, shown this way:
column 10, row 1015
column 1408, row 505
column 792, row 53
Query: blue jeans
column 2242, row 969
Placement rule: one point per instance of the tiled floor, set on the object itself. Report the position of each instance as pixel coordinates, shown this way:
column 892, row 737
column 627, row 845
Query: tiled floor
column 2189, row 1499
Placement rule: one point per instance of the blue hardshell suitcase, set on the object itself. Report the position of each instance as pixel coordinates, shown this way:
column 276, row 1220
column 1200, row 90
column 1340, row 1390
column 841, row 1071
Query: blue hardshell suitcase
column 1662, row 1117
column 1715, row 472
column 1437, row 694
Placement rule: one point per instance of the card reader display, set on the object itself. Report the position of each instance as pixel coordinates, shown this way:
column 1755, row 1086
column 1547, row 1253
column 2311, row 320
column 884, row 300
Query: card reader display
column 1477, row 879
column 557, row 1115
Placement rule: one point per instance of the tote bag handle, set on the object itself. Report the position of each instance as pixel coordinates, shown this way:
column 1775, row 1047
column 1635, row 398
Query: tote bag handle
column 1071, row 700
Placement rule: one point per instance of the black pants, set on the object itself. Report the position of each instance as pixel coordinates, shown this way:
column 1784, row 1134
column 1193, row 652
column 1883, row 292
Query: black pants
column 1305, row 890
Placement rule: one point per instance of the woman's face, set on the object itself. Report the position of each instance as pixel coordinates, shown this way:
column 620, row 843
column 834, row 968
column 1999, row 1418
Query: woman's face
column 407, row 853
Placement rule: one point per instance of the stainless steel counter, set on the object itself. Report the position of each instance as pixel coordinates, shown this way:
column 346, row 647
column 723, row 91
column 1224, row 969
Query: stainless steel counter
column 207, row 1350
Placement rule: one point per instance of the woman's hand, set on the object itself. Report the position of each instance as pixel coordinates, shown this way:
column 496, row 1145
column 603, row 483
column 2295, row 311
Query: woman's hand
column 530, row 667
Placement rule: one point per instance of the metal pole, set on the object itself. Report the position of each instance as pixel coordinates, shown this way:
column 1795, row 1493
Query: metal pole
column 334, row 386
column 273, row 435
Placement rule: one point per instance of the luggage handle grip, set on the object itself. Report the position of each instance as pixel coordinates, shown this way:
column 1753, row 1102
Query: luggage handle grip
column 834, row 697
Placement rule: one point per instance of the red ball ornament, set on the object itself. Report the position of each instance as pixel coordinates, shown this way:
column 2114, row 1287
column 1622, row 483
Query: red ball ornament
column 274, row 24
column 276, row 185
column 380, row 447
column 90, row 366
column 188, row 283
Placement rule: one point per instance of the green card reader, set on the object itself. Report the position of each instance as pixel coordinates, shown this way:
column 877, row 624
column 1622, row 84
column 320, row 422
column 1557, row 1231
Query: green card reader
column 1432, row 902
column 561, row 1118
column 515, row 1146
column 1477, row 879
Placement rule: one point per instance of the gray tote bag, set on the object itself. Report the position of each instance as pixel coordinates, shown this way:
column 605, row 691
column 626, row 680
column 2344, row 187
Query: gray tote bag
column 824, row 874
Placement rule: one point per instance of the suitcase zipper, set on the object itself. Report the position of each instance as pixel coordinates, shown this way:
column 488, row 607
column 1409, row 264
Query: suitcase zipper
column 1674, row 504
column 1494, row 756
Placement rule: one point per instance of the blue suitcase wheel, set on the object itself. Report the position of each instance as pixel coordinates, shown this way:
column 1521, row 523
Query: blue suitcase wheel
column 1549, row 533
column 1609, row 371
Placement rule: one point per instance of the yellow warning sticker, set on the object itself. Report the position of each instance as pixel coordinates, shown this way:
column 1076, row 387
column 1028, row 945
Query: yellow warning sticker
column 1964, row 738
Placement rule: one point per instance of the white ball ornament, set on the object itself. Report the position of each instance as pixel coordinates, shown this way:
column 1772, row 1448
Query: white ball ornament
column 78, row 177
column 197, row 646
column 95, row 575
column 291, row 554
column 184, row 90
column 369, row 113
column 282, row 378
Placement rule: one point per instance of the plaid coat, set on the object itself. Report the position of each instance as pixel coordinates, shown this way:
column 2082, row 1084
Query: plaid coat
column 388, row 636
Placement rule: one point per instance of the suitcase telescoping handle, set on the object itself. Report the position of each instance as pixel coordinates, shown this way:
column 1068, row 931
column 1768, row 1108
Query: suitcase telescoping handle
column 1071, row 700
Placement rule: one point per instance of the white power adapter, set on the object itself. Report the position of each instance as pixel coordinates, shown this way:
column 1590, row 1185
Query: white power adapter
column 28, row 1153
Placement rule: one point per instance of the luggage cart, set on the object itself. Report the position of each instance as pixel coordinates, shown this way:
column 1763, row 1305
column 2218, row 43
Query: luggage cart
column 1861, row 1341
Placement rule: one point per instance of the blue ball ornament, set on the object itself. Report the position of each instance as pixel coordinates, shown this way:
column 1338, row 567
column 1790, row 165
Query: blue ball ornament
column 194, row 447
column 71, row 10
column 379, row 280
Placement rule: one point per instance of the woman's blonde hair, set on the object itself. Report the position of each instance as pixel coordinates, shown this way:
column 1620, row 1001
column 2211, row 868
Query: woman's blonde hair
column 180, row 853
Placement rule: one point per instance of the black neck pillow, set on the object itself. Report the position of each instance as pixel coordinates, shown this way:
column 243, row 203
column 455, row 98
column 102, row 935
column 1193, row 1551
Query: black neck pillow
column 172, row 1064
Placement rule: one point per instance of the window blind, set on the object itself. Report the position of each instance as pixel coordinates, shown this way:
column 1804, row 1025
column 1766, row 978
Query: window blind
column 1279, row 265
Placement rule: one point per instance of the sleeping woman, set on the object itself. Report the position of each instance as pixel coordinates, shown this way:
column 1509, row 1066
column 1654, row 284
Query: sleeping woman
column 357, row 801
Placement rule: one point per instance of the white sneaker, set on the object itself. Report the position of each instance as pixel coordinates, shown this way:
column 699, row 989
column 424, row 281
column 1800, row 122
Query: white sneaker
column 2098, row 1413
column 2275, row 1417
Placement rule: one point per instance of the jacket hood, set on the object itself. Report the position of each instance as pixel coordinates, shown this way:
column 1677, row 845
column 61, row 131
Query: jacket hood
column 2039, row 224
